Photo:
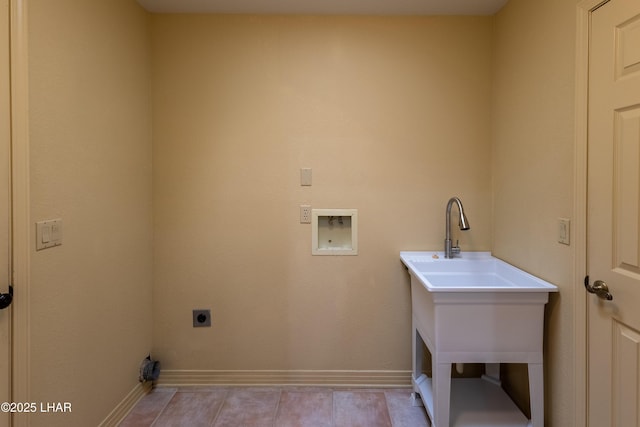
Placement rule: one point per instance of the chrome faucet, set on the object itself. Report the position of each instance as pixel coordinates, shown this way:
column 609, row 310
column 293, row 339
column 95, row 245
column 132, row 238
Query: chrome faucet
column 463, row 223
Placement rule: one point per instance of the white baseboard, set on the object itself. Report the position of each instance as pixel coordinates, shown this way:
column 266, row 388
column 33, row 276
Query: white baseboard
column 123, row 408
column 350, row 379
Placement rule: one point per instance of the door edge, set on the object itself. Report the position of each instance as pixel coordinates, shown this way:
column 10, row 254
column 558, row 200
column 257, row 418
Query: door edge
column 583, row 27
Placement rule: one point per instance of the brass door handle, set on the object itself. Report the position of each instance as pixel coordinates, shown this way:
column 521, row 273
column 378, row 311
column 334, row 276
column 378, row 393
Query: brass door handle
column 5, row 299
column 599, row 288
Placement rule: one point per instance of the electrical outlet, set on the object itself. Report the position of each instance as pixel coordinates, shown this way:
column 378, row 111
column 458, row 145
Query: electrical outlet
column 305, row 214
column 201, row 318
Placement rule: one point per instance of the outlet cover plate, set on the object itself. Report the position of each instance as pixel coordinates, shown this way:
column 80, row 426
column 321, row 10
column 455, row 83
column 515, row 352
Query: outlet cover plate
column 305, row 214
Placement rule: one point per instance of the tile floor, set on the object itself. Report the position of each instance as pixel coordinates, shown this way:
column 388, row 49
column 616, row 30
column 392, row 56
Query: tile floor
column 276, row 407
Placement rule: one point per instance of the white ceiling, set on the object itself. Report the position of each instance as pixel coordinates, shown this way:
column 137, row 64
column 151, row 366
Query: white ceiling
column 328, row 7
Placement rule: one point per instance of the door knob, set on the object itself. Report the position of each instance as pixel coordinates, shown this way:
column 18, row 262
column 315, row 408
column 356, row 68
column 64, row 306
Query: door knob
column 599, row 288
column 5, row 299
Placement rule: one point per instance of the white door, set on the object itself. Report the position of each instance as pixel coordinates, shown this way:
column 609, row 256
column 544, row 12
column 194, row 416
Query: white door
column 613, row 257
column 5, row 209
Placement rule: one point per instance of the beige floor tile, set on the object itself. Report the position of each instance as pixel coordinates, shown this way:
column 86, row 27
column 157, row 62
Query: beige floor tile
column 360, row 409
column 401, row 411
column 276, row 407
column 249, row 407
column 311, row 408
column 148, row 408
column 192, row 408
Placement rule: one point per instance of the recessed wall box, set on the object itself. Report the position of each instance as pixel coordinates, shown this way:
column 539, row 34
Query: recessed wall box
column 334, row 232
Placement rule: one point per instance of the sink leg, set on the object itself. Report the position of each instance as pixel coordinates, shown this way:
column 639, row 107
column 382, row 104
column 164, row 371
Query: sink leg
column 536, row 394
column 415, row 399
column 418, row 356
column 441, row 394
column 492, row 370
column 418, row 353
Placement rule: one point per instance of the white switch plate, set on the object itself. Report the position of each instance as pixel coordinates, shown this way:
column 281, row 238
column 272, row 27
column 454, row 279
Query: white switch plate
column 48, row 233
column 564, row 231
column 305, row 176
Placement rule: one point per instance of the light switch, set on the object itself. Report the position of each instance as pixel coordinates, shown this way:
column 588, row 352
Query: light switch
column 55, row 230
column 48, row 233
column 564, row 229
column 305, row 176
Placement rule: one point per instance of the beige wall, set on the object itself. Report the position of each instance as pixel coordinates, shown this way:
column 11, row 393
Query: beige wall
column 532, row 170
column 90, row 130
column 393, row 116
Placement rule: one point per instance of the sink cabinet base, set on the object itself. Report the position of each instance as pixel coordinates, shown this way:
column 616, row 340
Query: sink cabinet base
column 477, row 328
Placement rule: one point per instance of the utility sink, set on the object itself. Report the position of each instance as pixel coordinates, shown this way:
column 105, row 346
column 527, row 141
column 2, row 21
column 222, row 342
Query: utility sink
column 475, row 308
column 470, row 272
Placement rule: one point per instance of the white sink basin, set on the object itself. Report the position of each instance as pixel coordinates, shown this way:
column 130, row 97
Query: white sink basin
column 470, row 272
column 475, row 308
column 467, row 280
